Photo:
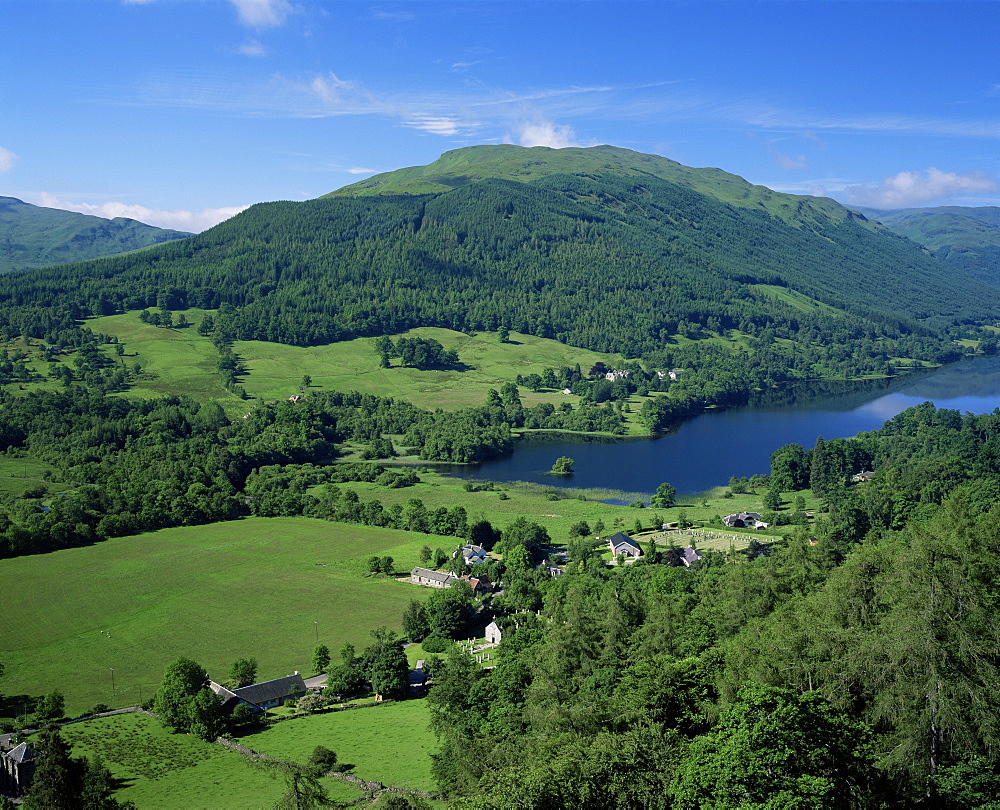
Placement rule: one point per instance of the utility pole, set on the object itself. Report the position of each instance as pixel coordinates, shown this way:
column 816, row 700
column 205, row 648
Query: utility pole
column 112, row 681
column 316, row 624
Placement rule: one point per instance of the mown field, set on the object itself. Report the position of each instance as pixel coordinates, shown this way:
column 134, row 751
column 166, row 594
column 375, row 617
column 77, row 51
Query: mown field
column 262, row 587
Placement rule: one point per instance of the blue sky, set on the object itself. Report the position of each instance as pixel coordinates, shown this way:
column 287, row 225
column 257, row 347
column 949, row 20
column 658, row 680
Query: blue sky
column 181, row 112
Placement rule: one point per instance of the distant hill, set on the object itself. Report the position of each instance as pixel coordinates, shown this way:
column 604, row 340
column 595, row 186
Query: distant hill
column 600, row 248
column 964, row 236
column 34, row 236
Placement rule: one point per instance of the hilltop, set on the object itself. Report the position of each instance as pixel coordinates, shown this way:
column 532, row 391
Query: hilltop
column 35, row 236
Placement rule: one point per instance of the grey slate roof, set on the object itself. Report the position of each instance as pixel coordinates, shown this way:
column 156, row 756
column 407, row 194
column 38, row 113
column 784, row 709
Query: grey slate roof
column 277, row 689
column 22, row 753
column 623, row 542
column 437, row 576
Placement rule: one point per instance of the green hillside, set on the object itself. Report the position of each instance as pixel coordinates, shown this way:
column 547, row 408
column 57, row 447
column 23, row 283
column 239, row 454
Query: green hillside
column 968, row 238
column 621, row 261
column 33, row 236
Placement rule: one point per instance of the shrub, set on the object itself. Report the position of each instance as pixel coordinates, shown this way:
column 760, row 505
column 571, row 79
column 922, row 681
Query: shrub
column 437, row 644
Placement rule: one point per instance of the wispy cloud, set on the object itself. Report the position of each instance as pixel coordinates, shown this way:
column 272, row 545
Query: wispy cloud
column 329, row 88
column 392, row 16
column 178, row 219
column 7, row 159
column 136, row 2
column 262, row 13
column 360, row 170
column 252, row 48
column 907, row 189
column 436, row 125
column 790, row 162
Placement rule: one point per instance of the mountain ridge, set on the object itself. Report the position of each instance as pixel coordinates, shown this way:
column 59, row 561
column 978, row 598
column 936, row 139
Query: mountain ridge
column 967, row 237
column 34, row 236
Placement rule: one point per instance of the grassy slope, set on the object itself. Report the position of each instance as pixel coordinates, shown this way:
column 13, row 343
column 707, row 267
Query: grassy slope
column 390, row 743
column 212, row 593
column 184, row 362
column 164, row 770
column 252, row 587
column 276, row 369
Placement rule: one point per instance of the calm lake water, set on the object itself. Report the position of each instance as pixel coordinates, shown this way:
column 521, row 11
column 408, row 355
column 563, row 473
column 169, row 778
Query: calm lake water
column 706, row 450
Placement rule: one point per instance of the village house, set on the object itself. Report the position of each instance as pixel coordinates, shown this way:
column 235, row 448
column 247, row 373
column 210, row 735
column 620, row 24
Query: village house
column 17, row 765
column 690, row 556
column 675, row 373
column 432, row 579
column 481, row 584
column 862, row 476
column 624, row 546
column 471, row 554
column 744, row 520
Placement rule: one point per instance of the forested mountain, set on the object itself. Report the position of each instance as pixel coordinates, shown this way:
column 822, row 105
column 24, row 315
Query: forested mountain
column 34, row 236
column 966, row 237
column 610, row 257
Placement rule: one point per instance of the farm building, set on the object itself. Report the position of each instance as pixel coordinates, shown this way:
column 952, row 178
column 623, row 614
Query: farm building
column 433, row 579
column 481, row 584
column 748, row 520
column 264, row 695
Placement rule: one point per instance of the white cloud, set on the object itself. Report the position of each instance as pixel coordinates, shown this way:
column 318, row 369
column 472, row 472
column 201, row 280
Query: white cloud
column 907, row 189
column 545, row 133
column 136, row 2
column 262, row 13
column 360, row 170
column 252, row 48
column 7, row 159
column 178, row 219
column 435, row 125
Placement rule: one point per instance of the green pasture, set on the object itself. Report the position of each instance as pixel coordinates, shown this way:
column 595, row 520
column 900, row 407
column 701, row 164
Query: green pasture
column 558, row 509
column 180, row 361
column 390, row 743
column 276, row 370
column 261, row 587
column 158, row 769
column 174, row 361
